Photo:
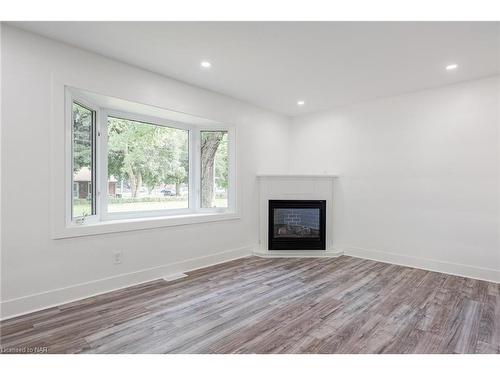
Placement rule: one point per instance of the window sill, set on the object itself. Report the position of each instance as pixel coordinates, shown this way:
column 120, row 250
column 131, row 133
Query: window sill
column 126, row 225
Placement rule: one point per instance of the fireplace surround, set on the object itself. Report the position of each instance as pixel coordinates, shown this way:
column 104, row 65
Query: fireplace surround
column 297, row 187
column 297, row 224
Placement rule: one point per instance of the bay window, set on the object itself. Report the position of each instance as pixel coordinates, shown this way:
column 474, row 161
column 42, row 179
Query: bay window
column 134, row 164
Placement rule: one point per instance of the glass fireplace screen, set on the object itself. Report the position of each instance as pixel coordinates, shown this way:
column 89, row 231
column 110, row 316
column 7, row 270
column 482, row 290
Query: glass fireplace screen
column 296, row 223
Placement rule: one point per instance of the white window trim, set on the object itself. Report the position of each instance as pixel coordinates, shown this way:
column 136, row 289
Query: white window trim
column 104, row 222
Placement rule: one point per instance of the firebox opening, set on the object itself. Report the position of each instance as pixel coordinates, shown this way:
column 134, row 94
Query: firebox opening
column 297, row 224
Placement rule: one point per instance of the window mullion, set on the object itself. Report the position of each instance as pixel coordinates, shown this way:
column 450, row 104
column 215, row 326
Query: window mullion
column 195, row 156
column 95, row 172
column 102, row 164
column 232, row 203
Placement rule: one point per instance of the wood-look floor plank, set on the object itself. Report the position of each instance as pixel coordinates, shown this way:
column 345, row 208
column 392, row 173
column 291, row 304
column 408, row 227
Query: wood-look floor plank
column 255, row 305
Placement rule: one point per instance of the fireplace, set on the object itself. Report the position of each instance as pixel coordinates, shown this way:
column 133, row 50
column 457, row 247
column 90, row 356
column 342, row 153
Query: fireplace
column 297, row 224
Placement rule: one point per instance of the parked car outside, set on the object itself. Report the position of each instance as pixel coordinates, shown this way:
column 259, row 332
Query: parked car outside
column 168, row 192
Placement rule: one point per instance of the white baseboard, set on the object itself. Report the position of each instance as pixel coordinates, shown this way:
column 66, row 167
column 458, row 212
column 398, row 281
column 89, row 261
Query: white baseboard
column 333, row 253
column 487, row 274
column 40, row 301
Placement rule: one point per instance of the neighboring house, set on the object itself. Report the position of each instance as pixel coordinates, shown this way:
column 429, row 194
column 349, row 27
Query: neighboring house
column 82, row 184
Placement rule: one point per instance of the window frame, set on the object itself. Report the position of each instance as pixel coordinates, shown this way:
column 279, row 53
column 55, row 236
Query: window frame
column 100, row 182
column 150, row 120
column 83, row 102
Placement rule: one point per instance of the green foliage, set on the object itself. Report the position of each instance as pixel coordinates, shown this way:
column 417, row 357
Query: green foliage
column 221, row 163
column 145, row 153
column 82, row 137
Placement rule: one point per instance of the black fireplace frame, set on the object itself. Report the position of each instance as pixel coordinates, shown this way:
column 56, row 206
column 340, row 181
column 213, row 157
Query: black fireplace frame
column 297, row 243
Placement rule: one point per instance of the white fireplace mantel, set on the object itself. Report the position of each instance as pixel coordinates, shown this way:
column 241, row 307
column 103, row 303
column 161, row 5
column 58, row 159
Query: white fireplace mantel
column 295, row 186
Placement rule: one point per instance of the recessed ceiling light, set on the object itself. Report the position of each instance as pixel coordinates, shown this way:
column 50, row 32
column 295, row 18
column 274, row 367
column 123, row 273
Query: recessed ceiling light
column 301, row 102
column 205, row 64
column 451, row 67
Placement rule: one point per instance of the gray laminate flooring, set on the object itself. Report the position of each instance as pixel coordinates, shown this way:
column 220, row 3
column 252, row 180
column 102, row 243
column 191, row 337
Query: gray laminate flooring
column 293, row 305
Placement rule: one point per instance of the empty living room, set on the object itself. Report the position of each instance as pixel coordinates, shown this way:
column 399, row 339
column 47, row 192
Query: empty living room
column 265, row 186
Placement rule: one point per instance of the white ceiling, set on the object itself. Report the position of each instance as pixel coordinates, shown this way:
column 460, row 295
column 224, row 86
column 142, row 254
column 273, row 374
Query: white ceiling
column 274, row 64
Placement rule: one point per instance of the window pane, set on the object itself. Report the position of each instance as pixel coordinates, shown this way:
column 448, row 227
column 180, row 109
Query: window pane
column 214, row 169
column 148, row 166
column 82, row 144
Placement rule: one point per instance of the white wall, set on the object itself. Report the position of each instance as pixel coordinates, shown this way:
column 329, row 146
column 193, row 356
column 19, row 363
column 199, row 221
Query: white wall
column 38, row 271
column 419, row 176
